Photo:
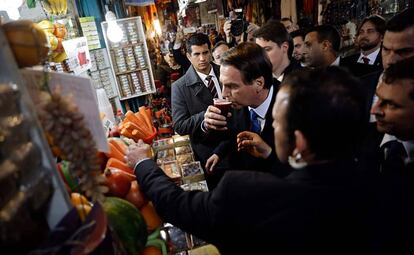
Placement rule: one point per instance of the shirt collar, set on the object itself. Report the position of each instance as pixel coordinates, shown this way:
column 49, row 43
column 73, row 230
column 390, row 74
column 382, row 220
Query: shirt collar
column 336, row 62
column 262, row 109
column 372, row 56
column 408, row 145
column 204, row 76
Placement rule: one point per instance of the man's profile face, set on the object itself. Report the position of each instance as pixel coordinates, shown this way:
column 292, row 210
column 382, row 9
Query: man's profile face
column 235, row 89
column 394, row 109
column 273, row 51
column 313, row 50
column 368, row 37
column 200, row 58
column 397, row 46
column 290, row 27
column 298, row 46
column 218, row 52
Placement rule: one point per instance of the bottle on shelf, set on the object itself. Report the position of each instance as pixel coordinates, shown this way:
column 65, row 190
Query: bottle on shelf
column 119, row 117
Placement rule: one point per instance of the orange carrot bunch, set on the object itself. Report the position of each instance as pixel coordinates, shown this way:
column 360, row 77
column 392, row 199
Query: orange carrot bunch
column 137, row 125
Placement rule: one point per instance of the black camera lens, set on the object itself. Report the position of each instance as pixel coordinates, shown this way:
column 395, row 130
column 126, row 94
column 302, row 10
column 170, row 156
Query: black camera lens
column 238, row 27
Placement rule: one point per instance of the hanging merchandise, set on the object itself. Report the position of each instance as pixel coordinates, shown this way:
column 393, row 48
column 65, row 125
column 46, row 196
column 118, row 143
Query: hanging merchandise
column 288, row 10
column 129, row 57
column 340, row 12
column 55, row 7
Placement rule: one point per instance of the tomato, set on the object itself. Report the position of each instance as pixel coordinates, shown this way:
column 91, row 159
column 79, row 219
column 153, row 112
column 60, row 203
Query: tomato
column 135, row 196
column 118, row 181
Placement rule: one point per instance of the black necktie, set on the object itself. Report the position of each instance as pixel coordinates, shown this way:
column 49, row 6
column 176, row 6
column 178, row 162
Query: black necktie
column 365, row 60
column 394, row 157
column 211, row 86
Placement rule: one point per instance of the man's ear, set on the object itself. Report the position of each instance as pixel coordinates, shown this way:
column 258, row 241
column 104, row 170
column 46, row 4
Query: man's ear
column 326, row 45
column 301, row 143
column 188, row 56
column 260, row 82
column 285, row 46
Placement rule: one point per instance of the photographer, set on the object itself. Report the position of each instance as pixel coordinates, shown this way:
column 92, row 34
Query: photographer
column 237, row 29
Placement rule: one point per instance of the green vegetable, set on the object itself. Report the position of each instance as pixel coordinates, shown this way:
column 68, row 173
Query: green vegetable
column 128, row 224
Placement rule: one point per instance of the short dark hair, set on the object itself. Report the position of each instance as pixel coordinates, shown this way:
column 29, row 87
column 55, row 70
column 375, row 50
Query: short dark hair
column 198, row 39
column 251, row 60
column 402, row 70
column 297, row 33
column 328, row 105
column 329, row 33
column 377, row 21
column 276, row 32
column 218, row 44
column 401, row 21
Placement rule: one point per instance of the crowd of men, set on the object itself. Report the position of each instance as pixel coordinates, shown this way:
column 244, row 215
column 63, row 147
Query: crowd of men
column 317, row 153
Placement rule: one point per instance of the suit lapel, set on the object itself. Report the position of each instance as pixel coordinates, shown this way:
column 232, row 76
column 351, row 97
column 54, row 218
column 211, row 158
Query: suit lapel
column 197, row 87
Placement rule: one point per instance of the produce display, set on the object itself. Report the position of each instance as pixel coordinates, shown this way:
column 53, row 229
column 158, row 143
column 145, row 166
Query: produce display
column 138, row 125
column 55, row 7
column 70, row 140
column 27, row 41
column 56, row 33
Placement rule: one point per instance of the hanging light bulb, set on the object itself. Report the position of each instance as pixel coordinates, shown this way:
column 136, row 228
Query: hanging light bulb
column 157, row 26
column 114, row 32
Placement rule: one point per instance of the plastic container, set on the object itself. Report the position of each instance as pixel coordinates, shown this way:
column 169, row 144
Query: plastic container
column 150, row 139
column 104, row 105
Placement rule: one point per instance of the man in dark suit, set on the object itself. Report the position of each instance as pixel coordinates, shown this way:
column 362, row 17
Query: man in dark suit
column 322, row 45
column 194, row 92
column 394, row 112
column 369, row 40
column 275, row 39
column 246, row 75
column 317, row 209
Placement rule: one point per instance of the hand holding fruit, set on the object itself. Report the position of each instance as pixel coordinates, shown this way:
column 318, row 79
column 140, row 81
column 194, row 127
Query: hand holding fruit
column 253, row 144
column 137, row 152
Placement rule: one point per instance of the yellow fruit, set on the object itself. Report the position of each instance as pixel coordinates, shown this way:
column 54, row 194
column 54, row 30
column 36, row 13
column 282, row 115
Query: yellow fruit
column 83, row 211
column 78, row 199
column 59, row 57
column 27, row 41
column 47, row 26
column 53, row 41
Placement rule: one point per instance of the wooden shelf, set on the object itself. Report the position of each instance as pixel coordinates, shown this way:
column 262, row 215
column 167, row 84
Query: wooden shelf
column 125, row 46
column 138, row 95
column 131, row 71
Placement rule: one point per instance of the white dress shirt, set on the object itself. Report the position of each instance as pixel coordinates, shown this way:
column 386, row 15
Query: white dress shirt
column 262, row 109
column 215, row 80
column 408, row 146
column 371, row 57
column 336, row 62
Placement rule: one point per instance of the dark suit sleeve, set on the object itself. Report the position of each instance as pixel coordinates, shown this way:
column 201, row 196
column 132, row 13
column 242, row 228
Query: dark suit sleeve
column 183, row 122
column 193, row 211
column 181, row 59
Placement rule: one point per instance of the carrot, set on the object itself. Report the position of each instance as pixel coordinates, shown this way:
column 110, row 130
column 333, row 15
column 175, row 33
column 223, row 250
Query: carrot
column 121, row 146
column 131, row 117
column 142, row 131
column 141, row 120
column 146, row 118
column 113, row 162
column 148, row 111
column 126, row 132
column 115, row 153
